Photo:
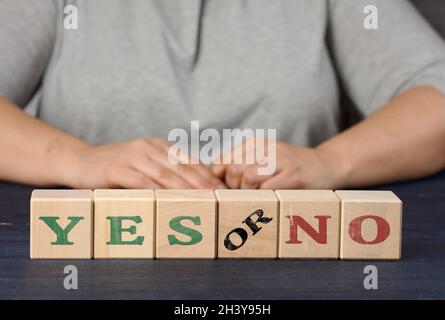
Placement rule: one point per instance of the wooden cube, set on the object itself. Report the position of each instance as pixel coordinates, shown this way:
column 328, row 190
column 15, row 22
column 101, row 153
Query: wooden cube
column 247, row 223
column 309, row 224
column 124, row 224
column 371, row 225
column 61, row 224
column 185, row 224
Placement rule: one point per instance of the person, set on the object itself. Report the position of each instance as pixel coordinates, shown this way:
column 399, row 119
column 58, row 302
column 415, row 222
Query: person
column 130, row 71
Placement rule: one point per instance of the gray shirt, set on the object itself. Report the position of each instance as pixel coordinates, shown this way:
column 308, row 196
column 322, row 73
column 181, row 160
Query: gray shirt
column 139, row 68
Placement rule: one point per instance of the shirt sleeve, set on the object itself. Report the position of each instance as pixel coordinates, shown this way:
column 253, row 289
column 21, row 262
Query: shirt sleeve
column 376, row 65
column 27, row 33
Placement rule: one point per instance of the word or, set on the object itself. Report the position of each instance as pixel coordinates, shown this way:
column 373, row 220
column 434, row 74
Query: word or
column 222, row 223
column 253, row 147
column 243, row 233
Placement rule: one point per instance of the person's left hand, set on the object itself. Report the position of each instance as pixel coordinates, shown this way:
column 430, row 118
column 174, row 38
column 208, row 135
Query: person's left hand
column 296, row 168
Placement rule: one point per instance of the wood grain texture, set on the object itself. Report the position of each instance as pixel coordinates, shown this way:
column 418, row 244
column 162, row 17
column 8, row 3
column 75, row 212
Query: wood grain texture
column 320, row 210
column 371, row 225
column 136, row 229
column 234, row 208
column 192, row 213
column 61, row 207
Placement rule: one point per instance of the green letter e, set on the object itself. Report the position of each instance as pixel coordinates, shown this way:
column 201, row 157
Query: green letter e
column 116, row 230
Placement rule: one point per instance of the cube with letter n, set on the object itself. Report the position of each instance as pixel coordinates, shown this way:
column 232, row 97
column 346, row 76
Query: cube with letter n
column 309, row 224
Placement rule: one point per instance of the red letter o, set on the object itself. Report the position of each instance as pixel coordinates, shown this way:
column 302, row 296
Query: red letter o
column 355, row 229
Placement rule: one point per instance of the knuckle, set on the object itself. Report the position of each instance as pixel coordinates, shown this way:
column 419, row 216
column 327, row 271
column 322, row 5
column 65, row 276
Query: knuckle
column 181, row 168
column 249, row 177
column 112, row 175
column 301, row 183
column 234, row 170
column 215, row 183
column 144, row 182
column 138, row 143
column 163, row 174
column 114, row 167
column 205, row 171
column 206, row 183
column 122, row 158
column 157, row 141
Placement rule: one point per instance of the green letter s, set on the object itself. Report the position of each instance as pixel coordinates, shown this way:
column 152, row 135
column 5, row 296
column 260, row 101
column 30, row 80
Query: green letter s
column 195, row 236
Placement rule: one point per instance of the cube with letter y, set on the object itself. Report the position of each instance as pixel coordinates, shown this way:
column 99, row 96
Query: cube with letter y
column 124, row 223
column 309, row 224
column 185, row 224
column 247, row 223
column 61, row 224
column 371, row 225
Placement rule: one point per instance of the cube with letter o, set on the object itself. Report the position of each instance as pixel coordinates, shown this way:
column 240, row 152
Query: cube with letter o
column 371, row 225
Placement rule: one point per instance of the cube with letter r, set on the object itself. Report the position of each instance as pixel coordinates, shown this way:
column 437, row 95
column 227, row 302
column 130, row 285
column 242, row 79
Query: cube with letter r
column 247, row 223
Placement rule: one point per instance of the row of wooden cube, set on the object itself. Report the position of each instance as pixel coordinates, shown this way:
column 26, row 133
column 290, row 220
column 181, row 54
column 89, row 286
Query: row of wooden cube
column 324, row 224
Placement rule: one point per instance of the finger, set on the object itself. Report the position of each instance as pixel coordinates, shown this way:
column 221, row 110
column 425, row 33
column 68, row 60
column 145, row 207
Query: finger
column 219, row 170
column 204, row 171
column 214, row 181
column 233, row 162
column 198, row 178
column 234, row 155
column 198, row 175
column 251, row 179
column 234, row 175
column 162, row 175
column 132, row 179
column 282, row 180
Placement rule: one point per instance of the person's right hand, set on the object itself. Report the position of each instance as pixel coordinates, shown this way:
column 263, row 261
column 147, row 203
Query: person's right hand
column 139, row 164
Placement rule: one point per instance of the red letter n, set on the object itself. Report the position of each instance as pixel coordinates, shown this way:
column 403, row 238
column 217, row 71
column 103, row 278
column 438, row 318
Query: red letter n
column 319, row 236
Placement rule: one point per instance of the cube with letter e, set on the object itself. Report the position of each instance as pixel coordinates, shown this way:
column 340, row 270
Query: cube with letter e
column 124, row 223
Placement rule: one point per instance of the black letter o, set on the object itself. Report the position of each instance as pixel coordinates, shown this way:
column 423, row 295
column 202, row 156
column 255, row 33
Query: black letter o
column 229, row 244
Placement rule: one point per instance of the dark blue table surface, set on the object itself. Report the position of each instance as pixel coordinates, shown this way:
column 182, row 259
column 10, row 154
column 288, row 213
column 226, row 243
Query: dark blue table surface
column 419, row 275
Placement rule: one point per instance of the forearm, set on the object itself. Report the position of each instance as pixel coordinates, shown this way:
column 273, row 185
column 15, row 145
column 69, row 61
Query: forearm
column 403, row 140
column 33, row 152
